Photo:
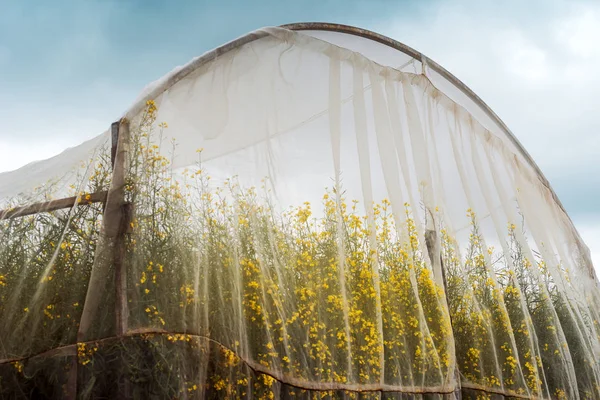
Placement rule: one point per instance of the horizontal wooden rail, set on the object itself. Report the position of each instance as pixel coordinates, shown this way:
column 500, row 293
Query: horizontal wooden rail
column 68, row 202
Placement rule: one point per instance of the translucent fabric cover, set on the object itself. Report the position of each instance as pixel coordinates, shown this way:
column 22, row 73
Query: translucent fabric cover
column 294, row 218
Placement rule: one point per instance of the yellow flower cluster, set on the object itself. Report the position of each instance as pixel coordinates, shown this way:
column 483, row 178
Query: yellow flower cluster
column 18, row 366
column 85, row 353
column 178, row 338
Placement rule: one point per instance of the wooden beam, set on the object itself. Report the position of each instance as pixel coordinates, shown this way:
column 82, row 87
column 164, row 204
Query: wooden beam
column 48, row 206
column 117, row 218
column 118, row 215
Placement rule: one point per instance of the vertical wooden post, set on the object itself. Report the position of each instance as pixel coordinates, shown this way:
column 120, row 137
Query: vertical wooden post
column 118, row 215
column 117, row 219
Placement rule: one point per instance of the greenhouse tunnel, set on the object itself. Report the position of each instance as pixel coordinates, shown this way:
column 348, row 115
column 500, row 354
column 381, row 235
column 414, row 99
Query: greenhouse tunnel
column 309, row 211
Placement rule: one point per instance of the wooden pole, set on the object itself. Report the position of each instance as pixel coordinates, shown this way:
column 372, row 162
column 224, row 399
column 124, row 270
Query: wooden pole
column 118, row 217
column 118, row 214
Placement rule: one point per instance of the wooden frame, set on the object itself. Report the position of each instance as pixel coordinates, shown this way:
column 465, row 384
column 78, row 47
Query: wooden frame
column 117, row 217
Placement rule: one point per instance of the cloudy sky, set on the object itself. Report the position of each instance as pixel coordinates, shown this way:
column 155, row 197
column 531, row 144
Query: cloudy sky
column 69, row 68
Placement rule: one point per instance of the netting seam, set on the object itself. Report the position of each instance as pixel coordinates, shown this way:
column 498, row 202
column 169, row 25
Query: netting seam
column 71, row 350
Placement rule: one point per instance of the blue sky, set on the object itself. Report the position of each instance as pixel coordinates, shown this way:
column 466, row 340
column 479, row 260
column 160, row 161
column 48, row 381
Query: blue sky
column 69, row 68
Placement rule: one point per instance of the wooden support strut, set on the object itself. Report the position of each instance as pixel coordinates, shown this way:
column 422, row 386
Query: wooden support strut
column 54, row 205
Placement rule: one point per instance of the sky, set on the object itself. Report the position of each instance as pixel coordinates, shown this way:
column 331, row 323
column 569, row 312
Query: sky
column 69, row 68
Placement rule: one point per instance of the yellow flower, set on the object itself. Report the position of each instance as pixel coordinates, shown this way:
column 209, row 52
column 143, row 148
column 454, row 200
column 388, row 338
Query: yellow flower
column 18, row 366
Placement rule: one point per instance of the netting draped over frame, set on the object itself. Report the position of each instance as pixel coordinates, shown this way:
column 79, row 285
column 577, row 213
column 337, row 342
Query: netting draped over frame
column 294, row 218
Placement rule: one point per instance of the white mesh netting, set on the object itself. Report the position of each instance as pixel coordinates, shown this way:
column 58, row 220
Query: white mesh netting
column 296, row 214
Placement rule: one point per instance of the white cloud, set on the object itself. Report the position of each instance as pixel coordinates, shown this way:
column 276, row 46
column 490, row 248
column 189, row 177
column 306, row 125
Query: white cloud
column 521, row 57
column 580, row 31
